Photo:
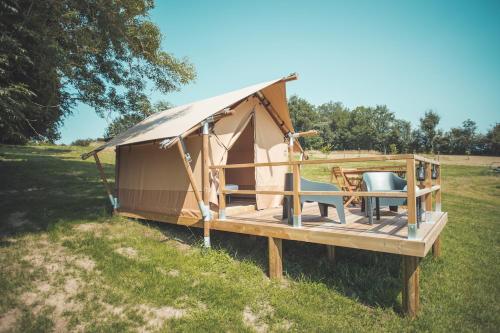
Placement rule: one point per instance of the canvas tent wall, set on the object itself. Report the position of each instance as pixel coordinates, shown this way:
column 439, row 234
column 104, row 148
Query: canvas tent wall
column 153, row 180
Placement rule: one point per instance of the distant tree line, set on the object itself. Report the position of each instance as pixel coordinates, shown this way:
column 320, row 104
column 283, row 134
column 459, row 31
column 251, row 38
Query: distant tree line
column 377, row 128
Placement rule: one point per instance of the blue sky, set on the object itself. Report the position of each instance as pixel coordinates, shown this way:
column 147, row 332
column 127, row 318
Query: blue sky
column 410, row 55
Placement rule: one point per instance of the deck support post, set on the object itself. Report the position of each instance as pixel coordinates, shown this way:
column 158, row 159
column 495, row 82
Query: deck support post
column 436, row 247
column 412, row 199
column 112, row 199
column 330, row 254
column 205, row 212
column 206, row 183
column 411, row 288
column 297, row 214
column 275, row 258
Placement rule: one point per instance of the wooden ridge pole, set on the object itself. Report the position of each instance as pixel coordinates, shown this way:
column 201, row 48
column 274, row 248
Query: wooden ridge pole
column 105, row 181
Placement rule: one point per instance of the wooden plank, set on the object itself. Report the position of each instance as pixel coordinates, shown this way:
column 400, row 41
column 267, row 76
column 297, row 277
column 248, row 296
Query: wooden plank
column 394, row 194
column 436, row 247
column 222, row 191
column 353, row 235
column 105, row 181
column 275, row 258
column 434, row 233
column 411, row 287
column 325, row 161
column 206, row 182
column 258, row 192
column 412, row 199
column 117, row 172
column 324, row 193
column 428, row 186
column 438, row 192
column 356, row 239
column 180, row 220
column 189, row 172
column 296, row 196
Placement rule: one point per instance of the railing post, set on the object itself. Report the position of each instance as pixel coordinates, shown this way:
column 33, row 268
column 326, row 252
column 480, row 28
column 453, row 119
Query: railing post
column 438, row 192
column 428, row 196
column 297, row 218
column 412, row 199
column 222, row 194
column 436, row 247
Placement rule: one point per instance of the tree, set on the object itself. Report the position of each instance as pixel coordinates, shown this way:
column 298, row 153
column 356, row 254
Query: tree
column 428, row 126
column 400, row 135
column 462, row 139
column 493, row 139
column 124, row 122
column 303, row 117
column 334, row 124
column 54, row 54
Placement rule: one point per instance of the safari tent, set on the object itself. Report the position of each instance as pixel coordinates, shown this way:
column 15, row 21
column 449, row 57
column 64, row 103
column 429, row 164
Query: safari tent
column 243, row 126
column 179, row 166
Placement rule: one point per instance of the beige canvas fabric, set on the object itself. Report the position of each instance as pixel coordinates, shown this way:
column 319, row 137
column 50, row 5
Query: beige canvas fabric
column 154, row 180
column 225, row 133
column 151, row 179
column 175, row 121
column 269, row 147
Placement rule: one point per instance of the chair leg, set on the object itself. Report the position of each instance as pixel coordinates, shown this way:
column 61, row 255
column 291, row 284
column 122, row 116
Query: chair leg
column 369, row 209
column 377, row 207
column 341, row 213
column 285, row 208
column 323, row 210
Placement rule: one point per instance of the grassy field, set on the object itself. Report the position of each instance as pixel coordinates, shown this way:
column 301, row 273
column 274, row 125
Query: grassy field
column 67, row 265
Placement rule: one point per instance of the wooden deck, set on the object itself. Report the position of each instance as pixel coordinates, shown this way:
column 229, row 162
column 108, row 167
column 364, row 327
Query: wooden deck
column 389, row 234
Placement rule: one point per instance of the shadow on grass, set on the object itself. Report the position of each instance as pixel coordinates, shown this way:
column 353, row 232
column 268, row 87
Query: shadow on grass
column 39, row 191
column 368, row 277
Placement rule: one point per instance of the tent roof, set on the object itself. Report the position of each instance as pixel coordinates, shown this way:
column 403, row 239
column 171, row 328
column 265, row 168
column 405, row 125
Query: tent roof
column 175, row 121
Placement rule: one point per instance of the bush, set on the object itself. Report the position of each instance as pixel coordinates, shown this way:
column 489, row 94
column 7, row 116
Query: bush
column 82, row 142
column 393, row 149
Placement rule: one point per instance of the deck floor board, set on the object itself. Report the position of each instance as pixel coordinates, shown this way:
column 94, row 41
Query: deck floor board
column 390, row 232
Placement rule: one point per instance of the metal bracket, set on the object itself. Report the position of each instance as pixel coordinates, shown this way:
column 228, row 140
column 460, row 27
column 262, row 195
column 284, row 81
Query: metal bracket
column 165, row 143
column 412, row 231
column 188, row 157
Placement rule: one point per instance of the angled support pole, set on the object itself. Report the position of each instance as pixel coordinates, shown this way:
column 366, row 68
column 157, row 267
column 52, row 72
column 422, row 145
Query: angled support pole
column 112, row 199
column 206, row 181
column 186, row 159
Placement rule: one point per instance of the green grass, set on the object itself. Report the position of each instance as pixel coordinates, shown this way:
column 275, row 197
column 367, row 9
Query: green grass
column 67, row 264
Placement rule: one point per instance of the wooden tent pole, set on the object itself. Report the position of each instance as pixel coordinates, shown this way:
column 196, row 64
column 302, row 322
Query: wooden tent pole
column 206, row 182
column 105, row 181
column 187, row 166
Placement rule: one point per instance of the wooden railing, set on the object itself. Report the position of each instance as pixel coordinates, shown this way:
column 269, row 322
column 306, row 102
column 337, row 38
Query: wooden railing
column 426, row 188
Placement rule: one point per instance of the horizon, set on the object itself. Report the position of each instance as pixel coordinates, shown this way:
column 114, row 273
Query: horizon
column 439, row 56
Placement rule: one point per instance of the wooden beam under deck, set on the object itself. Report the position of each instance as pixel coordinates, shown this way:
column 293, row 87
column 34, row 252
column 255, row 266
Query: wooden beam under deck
column 386, row 236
